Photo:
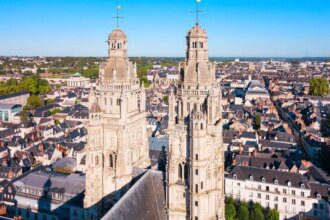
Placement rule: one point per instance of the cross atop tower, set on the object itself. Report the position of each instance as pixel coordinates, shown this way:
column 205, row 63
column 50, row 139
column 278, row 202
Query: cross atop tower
column 117, row 17
column 197, row 10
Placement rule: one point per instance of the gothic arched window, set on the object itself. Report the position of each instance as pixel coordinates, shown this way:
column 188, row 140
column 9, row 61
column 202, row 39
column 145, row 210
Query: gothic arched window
column 111, row 161
column 180, row 172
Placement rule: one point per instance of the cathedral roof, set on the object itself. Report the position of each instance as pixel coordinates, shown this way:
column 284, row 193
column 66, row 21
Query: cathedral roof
column 120, row 69
column 197, row 31
column 117, row 34
column 144, row 200
column 198, row 72
column 95, row 108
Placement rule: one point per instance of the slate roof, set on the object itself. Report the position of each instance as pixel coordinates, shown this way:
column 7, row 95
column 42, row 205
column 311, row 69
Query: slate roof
column 144, row 200
column 13, row 95
column 244, row 173
column 72, row 184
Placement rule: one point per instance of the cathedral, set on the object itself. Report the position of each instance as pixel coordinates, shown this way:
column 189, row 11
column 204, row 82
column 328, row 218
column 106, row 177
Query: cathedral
column 117, row 134
column 193, row 185
column 195, row 163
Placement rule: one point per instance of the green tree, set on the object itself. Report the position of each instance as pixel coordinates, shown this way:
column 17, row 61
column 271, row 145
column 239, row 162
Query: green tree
column 29, row 84
column 273, row 214
column 257, row 212
column 49, row 101
column 91, row 73
column 165, row 99
column 34, row 102
column 145, row 81
column 12, row 82
column 57, row 122
column 319, row 87
column 230, row 209
column 243, row 212
column 257, row 121
column 24, row 116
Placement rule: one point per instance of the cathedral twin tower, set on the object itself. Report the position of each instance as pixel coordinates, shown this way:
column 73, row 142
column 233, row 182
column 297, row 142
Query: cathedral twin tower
column 117, row 135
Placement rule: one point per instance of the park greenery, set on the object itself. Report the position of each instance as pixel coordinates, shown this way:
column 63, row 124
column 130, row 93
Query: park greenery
column 32, row 84
column 319, row 87
column 237, row 210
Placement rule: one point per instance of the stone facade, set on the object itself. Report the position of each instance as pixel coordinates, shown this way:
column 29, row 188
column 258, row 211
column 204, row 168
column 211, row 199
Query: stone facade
column 117, row 137
column 195, row 169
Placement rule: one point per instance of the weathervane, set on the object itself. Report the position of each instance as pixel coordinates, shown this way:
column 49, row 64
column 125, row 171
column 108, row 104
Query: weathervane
column 197, row 10
column 117, row 17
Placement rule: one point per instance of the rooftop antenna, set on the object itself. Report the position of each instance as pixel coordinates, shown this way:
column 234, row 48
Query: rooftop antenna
column 117, row 17
column 197, row 10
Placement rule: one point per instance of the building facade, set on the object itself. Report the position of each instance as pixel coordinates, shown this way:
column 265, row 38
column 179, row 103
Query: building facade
column 78, row 81
column 19, row 98
column 195, row 165
column 289, row 193
column 117, row 135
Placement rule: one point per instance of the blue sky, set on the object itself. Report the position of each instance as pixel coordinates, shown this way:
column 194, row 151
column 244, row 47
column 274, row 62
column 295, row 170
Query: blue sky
column 236, row 28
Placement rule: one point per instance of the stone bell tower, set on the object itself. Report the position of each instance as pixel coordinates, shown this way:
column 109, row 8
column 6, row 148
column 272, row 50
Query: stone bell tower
column 117, row 138
column 195, row 169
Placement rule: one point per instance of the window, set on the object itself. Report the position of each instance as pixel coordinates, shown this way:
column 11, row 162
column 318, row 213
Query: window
column 293, row 201
column 321, row 206
column 315, row 205
column 196, row 203
column 111, row 161
column 267, row 188
column 263, row 179
column 196, row 218
column 276, row 182
column 180, row 172
column 303, row 186
column 302, row 194
column 196, row 188
column 238, row 184
column 201, row 185
column 259, row 186
column 289, row 183
column 251, row 177
column 293, row 192
column 318, row 196
column 302, row 203
column 196, row 171
column 276, row 206
column 184, row 195
column 267, row 197
column 118, row 102
column 259, row 195
column 234, row 176
column 284, row 200
column 284, row 191
column 196, row 156
column 276, row 198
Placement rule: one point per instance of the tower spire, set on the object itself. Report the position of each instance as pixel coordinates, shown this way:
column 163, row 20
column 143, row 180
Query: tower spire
column 117, row 17
column 197, row 11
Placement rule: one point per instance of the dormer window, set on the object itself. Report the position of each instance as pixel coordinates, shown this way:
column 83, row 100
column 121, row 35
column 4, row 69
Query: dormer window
column 251, row 177
column 263, row 179
column 289, row 183
column 276, row 181
column 318, row 196
column 303, row 186
column 234, row 176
